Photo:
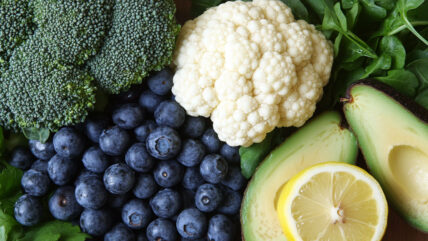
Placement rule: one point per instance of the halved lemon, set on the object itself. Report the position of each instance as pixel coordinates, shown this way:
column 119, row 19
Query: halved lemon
column 333, row 202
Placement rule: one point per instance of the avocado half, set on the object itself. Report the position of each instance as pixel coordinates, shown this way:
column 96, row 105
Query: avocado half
column 320, row 140
column 392, row 132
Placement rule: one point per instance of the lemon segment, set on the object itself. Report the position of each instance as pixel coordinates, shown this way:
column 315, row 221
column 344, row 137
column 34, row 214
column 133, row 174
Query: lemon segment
column 333, row 201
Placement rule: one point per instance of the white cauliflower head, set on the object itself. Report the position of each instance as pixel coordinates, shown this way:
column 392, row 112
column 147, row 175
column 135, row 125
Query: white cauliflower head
column 251, row 67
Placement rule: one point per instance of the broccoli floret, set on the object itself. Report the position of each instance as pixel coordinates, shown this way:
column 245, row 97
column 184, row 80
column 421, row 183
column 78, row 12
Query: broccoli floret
column 141, row 39
column 42, row 94
column 74, row 29
column 15, row 27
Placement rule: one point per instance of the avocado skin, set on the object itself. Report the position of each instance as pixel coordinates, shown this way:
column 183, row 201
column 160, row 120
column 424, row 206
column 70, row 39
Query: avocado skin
column 408, row 103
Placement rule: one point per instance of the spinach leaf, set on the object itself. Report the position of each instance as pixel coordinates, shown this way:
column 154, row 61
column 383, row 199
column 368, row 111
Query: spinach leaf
column 299, row 10
column 393, row 47
column 402, row 80
column 420, row 68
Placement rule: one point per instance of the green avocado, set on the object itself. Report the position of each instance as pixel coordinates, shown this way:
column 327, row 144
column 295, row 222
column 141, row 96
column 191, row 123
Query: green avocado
column 320, row 140
column 392, row 132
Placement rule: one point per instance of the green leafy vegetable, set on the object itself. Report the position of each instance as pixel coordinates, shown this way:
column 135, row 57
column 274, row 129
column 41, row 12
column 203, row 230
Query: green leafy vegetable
column 33, row 133
column 54, row 231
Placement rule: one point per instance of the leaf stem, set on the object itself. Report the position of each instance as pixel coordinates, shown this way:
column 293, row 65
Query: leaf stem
column 404, row 26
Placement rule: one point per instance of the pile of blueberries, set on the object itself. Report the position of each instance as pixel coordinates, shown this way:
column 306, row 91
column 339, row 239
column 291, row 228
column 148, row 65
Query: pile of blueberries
column 142, row 170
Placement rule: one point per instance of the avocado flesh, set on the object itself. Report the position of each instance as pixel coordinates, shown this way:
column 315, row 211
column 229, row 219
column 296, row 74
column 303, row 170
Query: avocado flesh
column 320, row 140
column 394, row 143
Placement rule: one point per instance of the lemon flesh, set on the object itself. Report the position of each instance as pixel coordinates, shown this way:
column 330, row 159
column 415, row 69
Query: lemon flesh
column 333, row 201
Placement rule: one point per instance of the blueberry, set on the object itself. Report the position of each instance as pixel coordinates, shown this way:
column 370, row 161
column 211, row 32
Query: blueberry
column 128, row 116
column 194, row 127
column 130, row 95
column 119, row 233
column 35, row 183
column 145, row 186
column 220, row 228
column 138, row 159
column 231, row 202
column 117, row 201
column 136, row 214
column 90, row 193
column 168, row 173
column 94, row 126
column 143, row 131
column 119, row 178
column 170, row 113
column 163, row 143
column 161, row 82
column 141, row 236
column 234, row 179
column 21, row 158
column 208, row 197
column 150, row 100
column 95, row 222
column 192, row 178
column 61, row 170
column 230, row 153
column 166, row 203
column 114, row 141
column 191, row 153
column 28, row 210
column 40, row 150
column 68, row 142
column 161, row 229
column 40, row 165
column 85, row 174
column 191, row 223
column 211, row 141
column 213, row 168
column 95, row 160
column 63, row 204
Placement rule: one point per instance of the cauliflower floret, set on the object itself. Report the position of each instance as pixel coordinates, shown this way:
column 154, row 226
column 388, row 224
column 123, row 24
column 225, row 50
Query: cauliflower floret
column 251, row 67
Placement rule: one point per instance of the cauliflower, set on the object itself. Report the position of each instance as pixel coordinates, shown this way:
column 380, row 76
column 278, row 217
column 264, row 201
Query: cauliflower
column 251, row 67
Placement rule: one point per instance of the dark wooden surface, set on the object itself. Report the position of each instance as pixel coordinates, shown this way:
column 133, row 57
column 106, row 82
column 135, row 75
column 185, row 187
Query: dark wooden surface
column 398, row 229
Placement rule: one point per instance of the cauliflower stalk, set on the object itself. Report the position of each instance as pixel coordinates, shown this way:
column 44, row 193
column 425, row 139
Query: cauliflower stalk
column 251, row 67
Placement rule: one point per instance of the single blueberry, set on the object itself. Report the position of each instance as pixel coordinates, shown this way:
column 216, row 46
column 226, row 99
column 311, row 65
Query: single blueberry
column 21, row 158
column 168, row 173
column 170, row 113
column 119, row 178
column 85, row 174
column 43, row 151
column 95, row 222
column 94, row 126
column 166, row 203
column 138, row 158
column 145, row 186
column 211, row 141
column 68, row 142
column 35, row 183
column 114, row 141
column 130, row 95
column 163, row 143
column 120, row 233
column 28, row 210
column 63, row 204
column 220, row 228
column 213, row 168
column 192, row 178
column 161, row 229
column 231, row 202
column 61, row 170
column 143, row 131
column 230, row 153
column 192, row 153
column 95, row 160
column 117, row 201
column 161, row 82
column 191, row 223
column 194, row 127
column 208, row 197
column 150, row 100
column 41, row 166
column 234, row 179
column 128, row 116
column 91, row 193
column 136, row 214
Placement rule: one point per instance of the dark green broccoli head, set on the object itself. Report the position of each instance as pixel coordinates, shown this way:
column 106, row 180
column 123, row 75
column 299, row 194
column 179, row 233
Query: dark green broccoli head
column 141, row 39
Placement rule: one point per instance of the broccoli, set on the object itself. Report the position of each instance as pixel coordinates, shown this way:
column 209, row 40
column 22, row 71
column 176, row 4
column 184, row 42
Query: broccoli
column 141, row 39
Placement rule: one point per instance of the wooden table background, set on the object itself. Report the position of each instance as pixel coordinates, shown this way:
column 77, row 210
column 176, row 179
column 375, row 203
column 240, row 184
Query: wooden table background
column 398, row 229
